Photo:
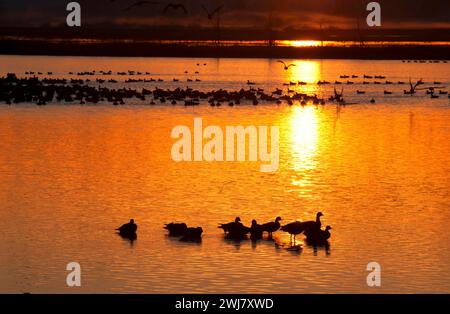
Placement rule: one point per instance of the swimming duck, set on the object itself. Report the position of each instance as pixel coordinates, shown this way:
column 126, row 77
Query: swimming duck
column 272, row 226
column 176, row 229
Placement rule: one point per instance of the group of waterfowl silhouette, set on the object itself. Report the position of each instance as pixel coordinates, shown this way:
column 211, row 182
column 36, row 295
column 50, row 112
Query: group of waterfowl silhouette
column 237, row 231
column 14, row 90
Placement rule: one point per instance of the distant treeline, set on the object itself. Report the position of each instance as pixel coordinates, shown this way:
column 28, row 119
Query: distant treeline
column 140, row 49
column 200, row 33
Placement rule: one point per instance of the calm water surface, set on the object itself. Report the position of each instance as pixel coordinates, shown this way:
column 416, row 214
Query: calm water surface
column 69, row 175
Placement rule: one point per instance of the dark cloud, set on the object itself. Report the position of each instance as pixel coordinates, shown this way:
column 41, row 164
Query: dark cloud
column 237, row 13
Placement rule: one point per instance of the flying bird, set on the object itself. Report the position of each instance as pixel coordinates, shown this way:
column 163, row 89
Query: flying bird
column 213, row 12
column 139, row 3
column 175, row 6
column 286, row 66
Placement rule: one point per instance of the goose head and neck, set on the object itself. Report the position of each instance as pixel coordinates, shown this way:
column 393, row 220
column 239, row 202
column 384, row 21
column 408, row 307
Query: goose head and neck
column 278, row 219
column 238, row 219
column 319, row 214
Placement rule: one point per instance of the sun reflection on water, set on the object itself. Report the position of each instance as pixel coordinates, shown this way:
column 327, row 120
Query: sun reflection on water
column 308, row 72
column 304, row 137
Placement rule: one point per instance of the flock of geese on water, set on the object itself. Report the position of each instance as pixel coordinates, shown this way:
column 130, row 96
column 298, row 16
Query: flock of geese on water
column 237, row 231
column 42, row 90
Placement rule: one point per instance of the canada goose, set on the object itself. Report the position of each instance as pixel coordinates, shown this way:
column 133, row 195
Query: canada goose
column 319, row 236
column 235, row 230
column 296, row 228
column 176, row 229
column 272, row 226
column 387, row 92
column 359, row 92
column 128, row 230
column 192, row 234
column 229, row 226
column 256, row 230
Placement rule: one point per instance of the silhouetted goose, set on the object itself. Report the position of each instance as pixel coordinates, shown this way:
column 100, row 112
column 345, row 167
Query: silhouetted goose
column 128, row 230
column 238, row 233
column 256, row 231
column 296, row 228
column 285, row 65
column 176, row 229
column 231, row 225
column 192, row 234
column 319, row 236
column 235, row 230
column 273, row 226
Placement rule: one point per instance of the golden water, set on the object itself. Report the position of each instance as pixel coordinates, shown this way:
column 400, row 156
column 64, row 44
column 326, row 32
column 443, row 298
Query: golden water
column 69, row 175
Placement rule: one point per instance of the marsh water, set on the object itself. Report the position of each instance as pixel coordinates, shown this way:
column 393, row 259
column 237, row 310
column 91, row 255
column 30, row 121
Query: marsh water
column 380, row 173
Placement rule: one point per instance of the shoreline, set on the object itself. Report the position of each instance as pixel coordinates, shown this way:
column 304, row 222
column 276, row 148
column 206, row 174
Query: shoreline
column 37, row 47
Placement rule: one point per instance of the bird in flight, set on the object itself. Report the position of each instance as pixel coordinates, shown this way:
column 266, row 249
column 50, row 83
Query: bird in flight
column 286, row 66
column 139, row 3
column 213, row 12
column 175, row 6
